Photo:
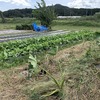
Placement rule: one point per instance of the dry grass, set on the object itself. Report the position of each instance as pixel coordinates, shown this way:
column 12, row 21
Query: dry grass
column 13, row 82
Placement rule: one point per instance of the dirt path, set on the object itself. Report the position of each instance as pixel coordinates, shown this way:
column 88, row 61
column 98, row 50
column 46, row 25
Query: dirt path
column 12, row 82
column 7, row 32
column 9, row 35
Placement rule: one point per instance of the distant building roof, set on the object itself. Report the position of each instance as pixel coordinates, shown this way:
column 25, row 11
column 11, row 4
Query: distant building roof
column 69, row 17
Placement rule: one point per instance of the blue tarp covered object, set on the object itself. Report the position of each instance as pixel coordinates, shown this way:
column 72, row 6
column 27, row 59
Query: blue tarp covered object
column 39, row 28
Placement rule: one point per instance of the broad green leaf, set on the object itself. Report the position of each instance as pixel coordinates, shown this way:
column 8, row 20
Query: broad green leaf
column 33, row 61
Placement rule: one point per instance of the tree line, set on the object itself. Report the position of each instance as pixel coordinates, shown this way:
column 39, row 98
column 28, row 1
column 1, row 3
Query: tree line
column 59, row 9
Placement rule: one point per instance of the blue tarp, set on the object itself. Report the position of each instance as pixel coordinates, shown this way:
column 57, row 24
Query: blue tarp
column 39, row 28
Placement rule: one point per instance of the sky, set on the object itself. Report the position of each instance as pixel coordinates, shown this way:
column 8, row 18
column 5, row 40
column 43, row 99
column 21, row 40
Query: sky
column 15, row 4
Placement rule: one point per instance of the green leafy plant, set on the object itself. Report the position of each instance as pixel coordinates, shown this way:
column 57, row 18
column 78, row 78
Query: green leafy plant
column 34, row 70
column 59, row 85
column 33, row 66
column 5, row 55
column 53, row 51
column 24, row 27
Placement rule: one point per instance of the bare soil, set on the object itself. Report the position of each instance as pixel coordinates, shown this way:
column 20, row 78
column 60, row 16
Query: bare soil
column 10, row 31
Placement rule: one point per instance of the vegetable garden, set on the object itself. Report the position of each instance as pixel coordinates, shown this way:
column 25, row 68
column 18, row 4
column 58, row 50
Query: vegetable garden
column 13, row 53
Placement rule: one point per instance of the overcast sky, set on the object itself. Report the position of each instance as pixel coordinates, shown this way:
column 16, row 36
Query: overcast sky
column 13, row 4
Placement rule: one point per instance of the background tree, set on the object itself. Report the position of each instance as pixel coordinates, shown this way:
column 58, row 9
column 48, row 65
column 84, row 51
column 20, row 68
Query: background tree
column 2, row 17
column 97, row 15
column 45, row 14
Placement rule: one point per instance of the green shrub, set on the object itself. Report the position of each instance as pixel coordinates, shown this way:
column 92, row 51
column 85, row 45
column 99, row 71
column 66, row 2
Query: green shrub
column 97, row 15
column 24, row 27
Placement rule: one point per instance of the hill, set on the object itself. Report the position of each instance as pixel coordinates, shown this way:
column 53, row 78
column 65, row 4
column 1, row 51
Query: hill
column 59, row 9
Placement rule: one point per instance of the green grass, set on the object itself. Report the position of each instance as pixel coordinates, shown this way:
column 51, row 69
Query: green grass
column 75, row 28
column 12, row 22
column 60, row 24
column 76, row 24
column 54, row 27
column 5, row 26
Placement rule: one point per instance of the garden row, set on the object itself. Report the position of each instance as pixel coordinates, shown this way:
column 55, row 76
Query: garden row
column 12, row 50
